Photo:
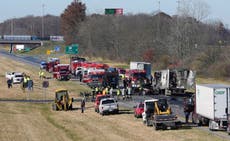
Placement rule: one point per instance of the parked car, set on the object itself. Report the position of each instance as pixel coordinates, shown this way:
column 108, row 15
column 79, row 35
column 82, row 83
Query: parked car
column 43, row 65
column 16, row 77
column 97, row 101
column 138, row 110
column 108, row 105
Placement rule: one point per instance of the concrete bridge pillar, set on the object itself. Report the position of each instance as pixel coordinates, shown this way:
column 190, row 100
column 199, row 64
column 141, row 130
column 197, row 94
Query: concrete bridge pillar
column 11, row 48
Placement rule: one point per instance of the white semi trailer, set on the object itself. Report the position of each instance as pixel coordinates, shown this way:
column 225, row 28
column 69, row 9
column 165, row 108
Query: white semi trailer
column 173, row 81
column 142, row 66
column 212, row 104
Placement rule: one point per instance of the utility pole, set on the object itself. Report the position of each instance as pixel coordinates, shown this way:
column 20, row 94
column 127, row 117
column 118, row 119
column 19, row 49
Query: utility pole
column 159, row 6
column 178, row 7
column 12, row 27
column 43, row 6
column 159, row 21
column 177, row 28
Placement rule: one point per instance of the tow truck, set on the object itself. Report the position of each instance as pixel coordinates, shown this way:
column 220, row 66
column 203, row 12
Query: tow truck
column 158, row 113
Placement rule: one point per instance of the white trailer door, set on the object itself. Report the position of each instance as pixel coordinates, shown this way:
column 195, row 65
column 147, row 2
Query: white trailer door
column 191, row 80
column 164, row 79
column 220, row 100
column 228, row 92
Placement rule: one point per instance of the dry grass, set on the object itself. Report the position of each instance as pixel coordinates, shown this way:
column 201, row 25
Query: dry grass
column 35, row 122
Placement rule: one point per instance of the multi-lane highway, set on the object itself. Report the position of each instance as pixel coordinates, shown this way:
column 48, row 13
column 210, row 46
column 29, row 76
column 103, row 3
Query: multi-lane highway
column 176, row 102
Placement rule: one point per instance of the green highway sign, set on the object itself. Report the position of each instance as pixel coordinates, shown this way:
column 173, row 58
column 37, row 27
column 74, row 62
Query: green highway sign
column 72, row 49
column 110, row 11
column 114, row 11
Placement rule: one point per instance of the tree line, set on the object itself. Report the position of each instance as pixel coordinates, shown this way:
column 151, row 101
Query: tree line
column 182, row 40
column 31, row 25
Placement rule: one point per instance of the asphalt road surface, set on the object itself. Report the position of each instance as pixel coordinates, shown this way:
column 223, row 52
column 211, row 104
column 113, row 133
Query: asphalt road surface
column 176, row 102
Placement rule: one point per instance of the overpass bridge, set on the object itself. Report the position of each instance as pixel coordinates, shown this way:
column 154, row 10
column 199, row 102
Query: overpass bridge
column 24, row 42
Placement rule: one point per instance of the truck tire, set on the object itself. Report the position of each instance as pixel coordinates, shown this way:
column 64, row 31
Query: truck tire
column 147, row 123
column 210, row 125
column 54, row 107
column 155, row 127
column 71, row 107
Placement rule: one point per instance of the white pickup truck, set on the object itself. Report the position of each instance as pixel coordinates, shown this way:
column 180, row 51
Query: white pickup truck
column 16, row 77
column 108, row 105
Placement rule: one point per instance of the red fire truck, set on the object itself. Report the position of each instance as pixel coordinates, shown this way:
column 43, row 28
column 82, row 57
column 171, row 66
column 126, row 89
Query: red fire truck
column 76, row 62
column 61, row 72
column 138, row 77
column 51, row 63
column 94, row 79
column 87, row 75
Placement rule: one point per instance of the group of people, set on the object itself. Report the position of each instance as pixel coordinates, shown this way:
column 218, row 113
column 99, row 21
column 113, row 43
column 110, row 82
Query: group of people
column 27, row 82
column 125, row 92
column 102, row 90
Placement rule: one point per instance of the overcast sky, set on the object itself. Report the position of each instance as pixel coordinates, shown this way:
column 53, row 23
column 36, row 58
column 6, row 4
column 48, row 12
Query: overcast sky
column 219, row 9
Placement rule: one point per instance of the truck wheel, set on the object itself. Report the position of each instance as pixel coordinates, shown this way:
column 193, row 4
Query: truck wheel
column 147, row 123
column 155, row 127
column 71, row 107
column 210, row 125
column 54, row 107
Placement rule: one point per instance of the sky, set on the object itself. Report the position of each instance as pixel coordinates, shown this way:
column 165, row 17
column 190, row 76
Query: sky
column 219, row 9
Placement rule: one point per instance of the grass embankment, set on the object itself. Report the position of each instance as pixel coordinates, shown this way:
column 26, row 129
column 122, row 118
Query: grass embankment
column 27, row 121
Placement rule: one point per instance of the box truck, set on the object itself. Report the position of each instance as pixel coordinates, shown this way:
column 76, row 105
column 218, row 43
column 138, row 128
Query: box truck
column 212, row 103
column 142, row 66
column 173, row 81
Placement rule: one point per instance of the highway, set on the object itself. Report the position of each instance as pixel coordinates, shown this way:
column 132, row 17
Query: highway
column 176, row 102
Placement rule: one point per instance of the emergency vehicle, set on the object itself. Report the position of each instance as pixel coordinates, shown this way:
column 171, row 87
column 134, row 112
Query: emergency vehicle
column 92, row 74
column 51, row 63
column 61, row 72
column 137, row 77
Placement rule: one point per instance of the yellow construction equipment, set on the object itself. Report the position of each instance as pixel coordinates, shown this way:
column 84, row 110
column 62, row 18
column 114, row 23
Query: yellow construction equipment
column 158, row 113
column 62, row 100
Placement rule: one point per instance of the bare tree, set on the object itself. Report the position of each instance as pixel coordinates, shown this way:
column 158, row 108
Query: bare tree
column 73, row 15
column 197, row 9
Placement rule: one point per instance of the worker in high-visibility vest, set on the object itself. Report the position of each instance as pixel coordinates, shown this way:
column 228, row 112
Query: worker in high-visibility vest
column 96, row 90
column 104, row 92
column 41, row 74
column 118, row 93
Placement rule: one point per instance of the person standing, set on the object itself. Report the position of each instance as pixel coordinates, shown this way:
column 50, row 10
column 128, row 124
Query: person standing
column 118, row 94
column 9, row 83
column 80, row 76
column 30, row 84
column 82, row 105
column 129, row 92
column 111, row 92
column 41, row 74
column 188, row 108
